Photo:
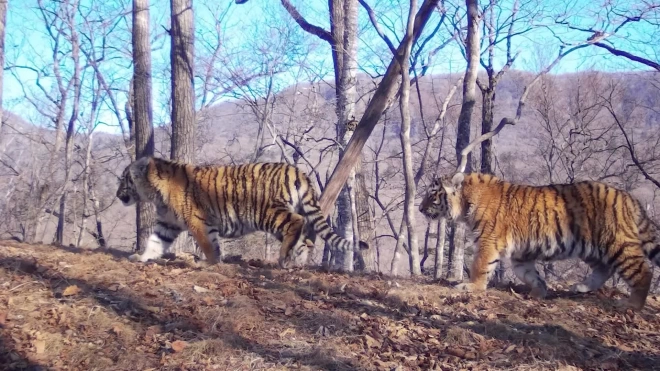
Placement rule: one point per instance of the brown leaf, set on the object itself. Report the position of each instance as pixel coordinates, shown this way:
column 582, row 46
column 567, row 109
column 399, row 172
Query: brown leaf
column 117, row 330
column 208, row 301
column 288, row 311
column 3, row 318
column 370, row 342
column 179, row 345
column 510, row 348
column 287, row 332
column 625, row 348
column 39, row 346
column 71, row 290
column 457, row 352
column 200, row 289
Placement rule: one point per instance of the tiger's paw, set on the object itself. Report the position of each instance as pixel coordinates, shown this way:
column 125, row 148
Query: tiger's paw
column 134, row 258
column 580, row 288
column 538, row 293
column 284, row 263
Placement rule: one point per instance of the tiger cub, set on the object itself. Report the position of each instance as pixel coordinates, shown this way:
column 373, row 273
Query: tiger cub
column 228, row 201
column 605, row 227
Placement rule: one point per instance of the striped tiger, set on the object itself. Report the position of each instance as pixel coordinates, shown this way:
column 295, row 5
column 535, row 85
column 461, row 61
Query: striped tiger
column 605, row 227
column 228, row 201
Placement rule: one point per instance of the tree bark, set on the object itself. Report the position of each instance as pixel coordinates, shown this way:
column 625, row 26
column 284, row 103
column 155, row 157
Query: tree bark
column 142, row 109
column 183, row 95
column 472, row 43
column 71, row 126
column 404, row 106
column 3, row 22
column 440, row 248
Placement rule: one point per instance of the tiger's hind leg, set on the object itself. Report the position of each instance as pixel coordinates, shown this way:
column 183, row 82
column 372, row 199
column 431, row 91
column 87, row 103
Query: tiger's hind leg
column 600, row 273
column 214, row 237
column 527, row 273
column 289, row 227
column 628, row 260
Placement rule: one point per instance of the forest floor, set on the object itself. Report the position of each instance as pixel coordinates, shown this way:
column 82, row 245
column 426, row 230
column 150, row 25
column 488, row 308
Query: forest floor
column 68, row 309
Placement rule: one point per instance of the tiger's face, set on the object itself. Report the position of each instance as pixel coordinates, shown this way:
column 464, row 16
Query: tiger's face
column 441, row 198
column 127, row 192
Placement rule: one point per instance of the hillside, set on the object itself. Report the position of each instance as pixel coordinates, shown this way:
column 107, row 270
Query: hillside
column 85, row 310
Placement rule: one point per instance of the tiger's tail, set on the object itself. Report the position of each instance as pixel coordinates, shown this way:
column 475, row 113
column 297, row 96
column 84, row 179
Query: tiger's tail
column 314, row 217
column 649, row 234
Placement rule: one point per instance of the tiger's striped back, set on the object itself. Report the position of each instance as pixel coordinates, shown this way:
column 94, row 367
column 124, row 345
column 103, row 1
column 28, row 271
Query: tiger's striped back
column 604, row 226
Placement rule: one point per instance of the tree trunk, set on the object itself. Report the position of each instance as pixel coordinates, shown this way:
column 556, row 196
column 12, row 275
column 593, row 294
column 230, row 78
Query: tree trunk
column 404, row 106
column 142, row 109
column 71, row 127
column 488, row 103
column 457, row 247
column 364, row 220
column 183, row 95
column 440, row 248
column 85, row 186
column 3, row 21
column 344, row 34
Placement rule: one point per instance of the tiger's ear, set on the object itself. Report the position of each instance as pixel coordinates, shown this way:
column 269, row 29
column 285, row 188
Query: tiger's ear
column 140, row 167
column 457, row 180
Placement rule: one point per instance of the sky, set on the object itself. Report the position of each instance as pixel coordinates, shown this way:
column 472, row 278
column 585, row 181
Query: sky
column 247, row 28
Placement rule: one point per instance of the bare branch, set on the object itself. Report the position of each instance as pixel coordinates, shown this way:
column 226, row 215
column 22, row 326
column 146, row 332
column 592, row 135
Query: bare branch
column 521, row 103
column 632, row 57
column 302, row 22
column 631, row 147
column 374, row 22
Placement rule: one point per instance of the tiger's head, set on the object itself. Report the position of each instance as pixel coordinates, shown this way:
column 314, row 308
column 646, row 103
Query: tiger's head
column 443, row 198
column 133, row 182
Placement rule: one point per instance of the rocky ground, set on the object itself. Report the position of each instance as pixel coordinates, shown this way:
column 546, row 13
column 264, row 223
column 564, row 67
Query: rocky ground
column 68, row 309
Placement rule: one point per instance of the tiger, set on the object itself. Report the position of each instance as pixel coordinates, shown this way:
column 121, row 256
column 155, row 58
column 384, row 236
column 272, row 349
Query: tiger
column 605, row 227
column 228, row 201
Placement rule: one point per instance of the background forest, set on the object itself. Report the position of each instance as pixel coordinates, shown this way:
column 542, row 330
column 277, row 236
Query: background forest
column 89, row 85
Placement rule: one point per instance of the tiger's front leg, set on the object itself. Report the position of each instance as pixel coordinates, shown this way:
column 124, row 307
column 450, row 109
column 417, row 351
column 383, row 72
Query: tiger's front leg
column 483, row 266
column 158, row 243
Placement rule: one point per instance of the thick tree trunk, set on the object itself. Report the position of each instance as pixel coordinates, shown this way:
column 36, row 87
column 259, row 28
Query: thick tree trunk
column 364, row 220
column 183, row 95
column 142, row 109
column 457, row 247
column 344, row 51
column 3, row 22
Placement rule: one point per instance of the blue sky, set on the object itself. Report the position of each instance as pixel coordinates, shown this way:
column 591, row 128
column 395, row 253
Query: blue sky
column 257, row 23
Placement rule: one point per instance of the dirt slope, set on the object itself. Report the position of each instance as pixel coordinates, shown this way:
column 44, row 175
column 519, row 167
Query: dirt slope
column 73, row 310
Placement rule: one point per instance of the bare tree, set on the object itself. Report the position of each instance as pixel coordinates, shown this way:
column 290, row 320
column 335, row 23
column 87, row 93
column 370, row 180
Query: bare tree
column 404, row 105
column 472, row 48
column 386, row 90
column 72, row 35
column 182, row 81
column 3, row 21
column 183, row 92
column 142, row 111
